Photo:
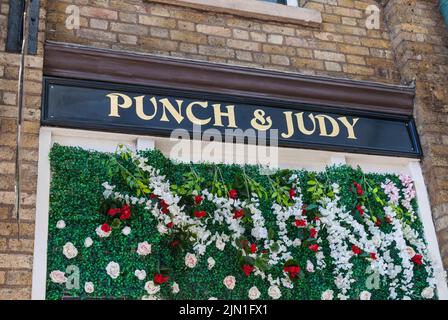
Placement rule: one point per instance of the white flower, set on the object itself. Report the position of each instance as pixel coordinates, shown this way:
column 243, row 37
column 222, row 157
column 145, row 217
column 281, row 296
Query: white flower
column 175, row 288
column 60, row 224
column 88, row 242
column 428, row 293
column 126, row 231
column 151, row 288
column 69, row 250
column 274, row 292
column 113, row 269
column 229, row 282
column 309, row 266
column 254, row 293
column 297, row 242
column 190, row 260
column 101, row 233
column 220, row 244
column 365, row 295
column 140, row 274
column 410, row 251
column 162, row 229
column 144, row 248
column 89, row 287
column 58, row 276
column 212, row 298
column 327, row 295
column 146, row 297
column 211, row 263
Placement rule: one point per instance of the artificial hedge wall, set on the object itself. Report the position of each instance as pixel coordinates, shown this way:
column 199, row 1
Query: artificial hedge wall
column 76, row 198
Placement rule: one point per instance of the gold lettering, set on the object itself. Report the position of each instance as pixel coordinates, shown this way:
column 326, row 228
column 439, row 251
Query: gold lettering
column 230, row 114
column 350, row 126
column 139, row 108
column 259, row 122
column 289, row 125
column 192, row 117
column 301, row 123
column 114, row 104
column 177, row 114
column 323, row 128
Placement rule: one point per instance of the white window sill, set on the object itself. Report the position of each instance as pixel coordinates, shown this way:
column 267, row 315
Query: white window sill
column 254, row 9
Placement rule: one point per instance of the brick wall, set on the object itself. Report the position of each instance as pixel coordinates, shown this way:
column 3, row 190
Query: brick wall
column 16, row 243
column 341, row 47
column 411, row 44
column 420, row 39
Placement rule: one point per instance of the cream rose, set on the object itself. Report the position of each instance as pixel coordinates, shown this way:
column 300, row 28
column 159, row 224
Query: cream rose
column 365, row 295
column 140, row 274
column 113, row 269
column 212, row 298
column 428, row 293
column 58, row 276
column 327, row 295
column 229, row 282
column 88, row 242
column 60, row 224
column 410, row 251
column 162, row 229
column 126, row 231
column 175, row 288
column 309, row 266
column 254, row 293
column 69, row 250
column 211, row 263
column 274, row 292
column 144, row 248
column 151, row 288
column 190, row 260
column 220, row 244
column 89, row 287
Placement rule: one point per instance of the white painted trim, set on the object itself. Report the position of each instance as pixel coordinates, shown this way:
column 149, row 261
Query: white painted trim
column 41, row 226
column 429, row 229
column 293, row 3
column 292, row 158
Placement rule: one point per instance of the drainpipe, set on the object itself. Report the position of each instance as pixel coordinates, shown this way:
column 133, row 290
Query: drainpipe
column 443, row 6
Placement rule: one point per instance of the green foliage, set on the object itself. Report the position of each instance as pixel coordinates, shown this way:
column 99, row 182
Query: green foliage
column 76, row 197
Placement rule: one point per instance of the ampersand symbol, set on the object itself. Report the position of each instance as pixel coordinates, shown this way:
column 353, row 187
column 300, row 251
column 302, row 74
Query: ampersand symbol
column 259, row 122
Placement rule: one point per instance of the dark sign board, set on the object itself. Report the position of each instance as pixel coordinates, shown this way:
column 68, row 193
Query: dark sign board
column 156, row 111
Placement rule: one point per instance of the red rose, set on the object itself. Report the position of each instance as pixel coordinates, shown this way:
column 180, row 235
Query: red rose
column 152, row 196
column 174, row 243
column 247, row 269
column 113, row 211
column 253, row 248
column 292, row 270
column 163, row 204
column 313, row 233
column 359, row 209
column 314, row 247
column 300, row 223
column 356, row 250
column 105, row 227
column 417, row 259
column 170, row 225
column 316, row 218
column 233, row 194
column 198, row 199
column 160, row 279
column 125, row 212
column 200, row 214
column 358, row 188
column 378, row 222
column 373, row 255
column 238, row 213
column 292, row 192
column 165, row 211
column 264, row 251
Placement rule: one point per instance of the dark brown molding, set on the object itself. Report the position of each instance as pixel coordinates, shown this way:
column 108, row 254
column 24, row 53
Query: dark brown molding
column 78, row 62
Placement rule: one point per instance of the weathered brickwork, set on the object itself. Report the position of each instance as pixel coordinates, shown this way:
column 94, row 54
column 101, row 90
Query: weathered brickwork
column 420, row 39
column 341, row 47
column 411, row 44
column 16, row 243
